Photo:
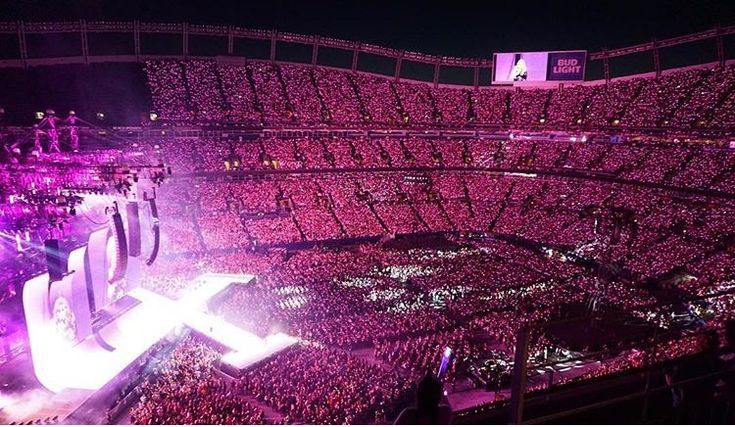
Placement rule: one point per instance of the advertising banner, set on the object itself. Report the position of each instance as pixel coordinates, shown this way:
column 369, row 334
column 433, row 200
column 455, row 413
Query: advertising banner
column 539, row 66
column 566, row 66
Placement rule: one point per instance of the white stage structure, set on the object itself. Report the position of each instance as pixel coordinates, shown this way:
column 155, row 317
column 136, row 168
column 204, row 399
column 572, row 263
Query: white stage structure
column 94, row 360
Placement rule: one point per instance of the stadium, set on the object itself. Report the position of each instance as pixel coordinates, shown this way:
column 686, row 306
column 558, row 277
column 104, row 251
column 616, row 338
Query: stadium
column 222, row 224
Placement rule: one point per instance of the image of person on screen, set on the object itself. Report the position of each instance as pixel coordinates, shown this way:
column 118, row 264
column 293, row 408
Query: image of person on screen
column 519, row 71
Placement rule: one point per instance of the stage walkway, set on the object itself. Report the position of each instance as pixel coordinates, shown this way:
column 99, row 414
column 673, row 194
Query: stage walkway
column 77, row 373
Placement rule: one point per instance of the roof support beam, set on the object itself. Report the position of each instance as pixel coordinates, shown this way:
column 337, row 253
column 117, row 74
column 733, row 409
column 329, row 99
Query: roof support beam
column 85, row 42
column 22, row 44
column 355, row 54
column 437, row 70
column 399, row 64
column 136, row 39
column 184, row 40
column 274, row 41
column 315, row 52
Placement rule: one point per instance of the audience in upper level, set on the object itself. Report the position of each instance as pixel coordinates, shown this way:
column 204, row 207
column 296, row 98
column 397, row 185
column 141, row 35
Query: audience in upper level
column 268, row 94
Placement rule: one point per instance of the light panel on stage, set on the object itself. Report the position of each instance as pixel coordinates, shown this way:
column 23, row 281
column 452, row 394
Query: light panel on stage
column 247, row 356
column 89, row 364
column 91, row 361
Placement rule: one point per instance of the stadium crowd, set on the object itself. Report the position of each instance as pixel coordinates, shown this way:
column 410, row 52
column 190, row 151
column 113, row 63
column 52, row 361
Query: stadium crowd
column 273, row 95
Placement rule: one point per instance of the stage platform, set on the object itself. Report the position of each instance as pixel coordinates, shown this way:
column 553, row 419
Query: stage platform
column 87, row 366
column 246, row 348
column 96, row 360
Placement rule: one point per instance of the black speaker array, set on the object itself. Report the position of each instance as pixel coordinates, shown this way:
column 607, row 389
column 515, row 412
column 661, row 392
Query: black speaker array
column 122, row 248
column 133, row 229
column 156, row 233
column 55, row 260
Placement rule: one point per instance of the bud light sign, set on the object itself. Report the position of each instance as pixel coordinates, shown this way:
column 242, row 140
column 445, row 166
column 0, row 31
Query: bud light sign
column 509, row 68
column 566, row 65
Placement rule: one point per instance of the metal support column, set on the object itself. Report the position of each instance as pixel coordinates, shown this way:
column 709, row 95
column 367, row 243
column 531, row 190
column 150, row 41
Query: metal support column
column 85, row 43
column 315, row 51
column 437, row 69
column 720, row 46
column 274, row 40
column 184, row 40
column 399, row 64
column 22, row 43
column 230, row 41
column 518, row 384
column 355, row 54
column 136, row 39
column 656, row 59
column 606, row 67
column 476, row 79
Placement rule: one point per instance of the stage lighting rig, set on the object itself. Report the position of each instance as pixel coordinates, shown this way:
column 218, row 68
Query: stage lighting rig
column 123, row 186
column 158, row 178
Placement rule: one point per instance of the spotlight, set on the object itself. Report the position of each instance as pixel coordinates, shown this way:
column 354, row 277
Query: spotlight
column 72, row 113
column 100, row 116
column 39, row 115
column 153, row 116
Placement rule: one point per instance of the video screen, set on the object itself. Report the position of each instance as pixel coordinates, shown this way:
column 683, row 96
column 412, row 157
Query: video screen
column 538, row 66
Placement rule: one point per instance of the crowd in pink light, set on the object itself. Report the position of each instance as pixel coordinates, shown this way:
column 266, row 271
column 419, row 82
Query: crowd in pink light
column 274, row 95
column 378, row 252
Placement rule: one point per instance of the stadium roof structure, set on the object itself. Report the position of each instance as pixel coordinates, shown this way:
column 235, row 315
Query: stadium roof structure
column 16, row 35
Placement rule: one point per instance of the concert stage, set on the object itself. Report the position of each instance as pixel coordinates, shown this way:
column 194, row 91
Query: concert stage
column 97, row 358
column 247, row 348
column 126, row 334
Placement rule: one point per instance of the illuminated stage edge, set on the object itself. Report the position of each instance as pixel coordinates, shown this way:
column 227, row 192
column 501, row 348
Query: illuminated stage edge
column 96, row 360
